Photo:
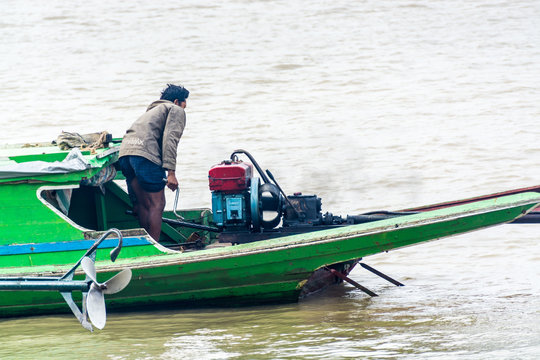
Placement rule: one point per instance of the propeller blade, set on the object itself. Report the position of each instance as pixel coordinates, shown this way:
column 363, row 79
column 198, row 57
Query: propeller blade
column 89, row 268
column 118, row 282
column 95, row 305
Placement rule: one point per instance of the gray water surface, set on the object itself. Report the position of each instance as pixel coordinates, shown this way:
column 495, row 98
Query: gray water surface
column 368, row 104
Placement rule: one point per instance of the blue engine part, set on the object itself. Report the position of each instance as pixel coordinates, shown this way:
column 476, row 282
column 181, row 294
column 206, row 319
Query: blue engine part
column 239, row 210
column 247, row 210
column 230, row 210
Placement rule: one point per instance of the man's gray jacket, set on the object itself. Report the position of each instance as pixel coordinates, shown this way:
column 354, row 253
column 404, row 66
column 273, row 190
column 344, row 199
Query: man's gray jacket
column 155, row 135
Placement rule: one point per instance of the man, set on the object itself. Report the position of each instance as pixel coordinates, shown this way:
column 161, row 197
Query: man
column 149, row 149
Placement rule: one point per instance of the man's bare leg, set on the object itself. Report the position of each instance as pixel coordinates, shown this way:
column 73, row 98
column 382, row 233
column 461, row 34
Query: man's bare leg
column 149, row 209
column 156, row 204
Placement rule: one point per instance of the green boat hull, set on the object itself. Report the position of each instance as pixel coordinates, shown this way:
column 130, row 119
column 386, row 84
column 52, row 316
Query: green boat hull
column 269, row 271
column 37, row 239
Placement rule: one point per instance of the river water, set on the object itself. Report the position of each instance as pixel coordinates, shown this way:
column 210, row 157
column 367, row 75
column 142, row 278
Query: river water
column 368, row 104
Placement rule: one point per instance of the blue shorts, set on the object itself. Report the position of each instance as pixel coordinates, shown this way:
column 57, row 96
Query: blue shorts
column 151, row 177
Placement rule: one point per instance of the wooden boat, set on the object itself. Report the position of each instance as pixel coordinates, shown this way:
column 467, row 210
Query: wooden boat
column 42, row 234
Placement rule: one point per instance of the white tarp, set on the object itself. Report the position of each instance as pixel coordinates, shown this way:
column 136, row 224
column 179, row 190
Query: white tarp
column 74, row 161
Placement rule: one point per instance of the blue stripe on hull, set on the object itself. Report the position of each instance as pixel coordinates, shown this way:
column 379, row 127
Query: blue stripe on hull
column 19, row 249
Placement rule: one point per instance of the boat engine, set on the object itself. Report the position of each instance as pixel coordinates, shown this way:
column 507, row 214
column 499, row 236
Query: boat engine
column 249, row 208
column 240, row 202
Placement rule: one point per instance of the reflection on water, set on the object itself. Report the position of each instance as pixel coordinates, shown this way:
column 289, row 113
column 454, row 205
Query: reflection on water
column 368, row 104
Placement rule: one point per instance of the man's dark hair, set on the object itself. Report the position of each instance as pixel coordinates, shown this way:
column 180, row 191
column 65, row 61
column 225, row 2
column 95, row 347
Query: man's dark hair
column 173, row 92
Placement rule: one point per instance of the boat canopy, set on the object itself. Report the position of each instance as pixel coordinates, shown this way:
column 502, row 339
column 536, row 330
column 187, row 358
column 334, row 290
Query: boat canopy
column 74, row 161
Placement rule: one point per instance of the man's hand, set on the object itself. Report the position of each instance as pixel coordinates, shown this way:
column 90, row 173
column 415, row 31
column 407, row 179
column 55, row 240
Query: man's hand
column 172, row 182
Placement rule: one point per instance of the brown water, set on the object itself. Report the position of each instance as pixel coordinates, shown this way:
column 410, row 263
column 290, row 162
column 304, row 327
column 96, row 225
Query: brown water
column 368, row 104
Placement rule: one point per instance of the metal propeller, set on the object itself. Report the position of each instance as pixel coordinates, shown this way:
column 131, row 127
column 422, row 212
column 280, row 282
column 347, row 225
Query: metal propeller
column 95, row 301
column 93, row 304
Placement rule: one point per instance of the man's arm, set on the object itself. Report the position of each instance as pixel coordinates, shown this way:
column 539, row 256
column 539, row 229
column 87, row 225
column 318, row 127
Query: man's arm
column 174, row 127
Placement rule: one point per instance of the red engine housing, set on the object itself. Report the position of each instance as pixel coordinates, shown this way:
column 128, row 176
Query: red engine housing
column 230, row 176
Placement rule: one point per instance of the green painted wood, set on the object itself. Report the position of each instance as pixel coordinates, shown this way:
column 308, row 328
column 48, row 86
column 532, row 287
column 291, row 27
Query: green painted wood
column 25, row 219
column 272, row 270
column 49, row 157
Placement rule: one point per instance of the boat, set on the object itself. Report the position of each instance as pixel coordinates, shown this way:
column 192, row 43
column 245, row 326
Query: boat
column 57, row 204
